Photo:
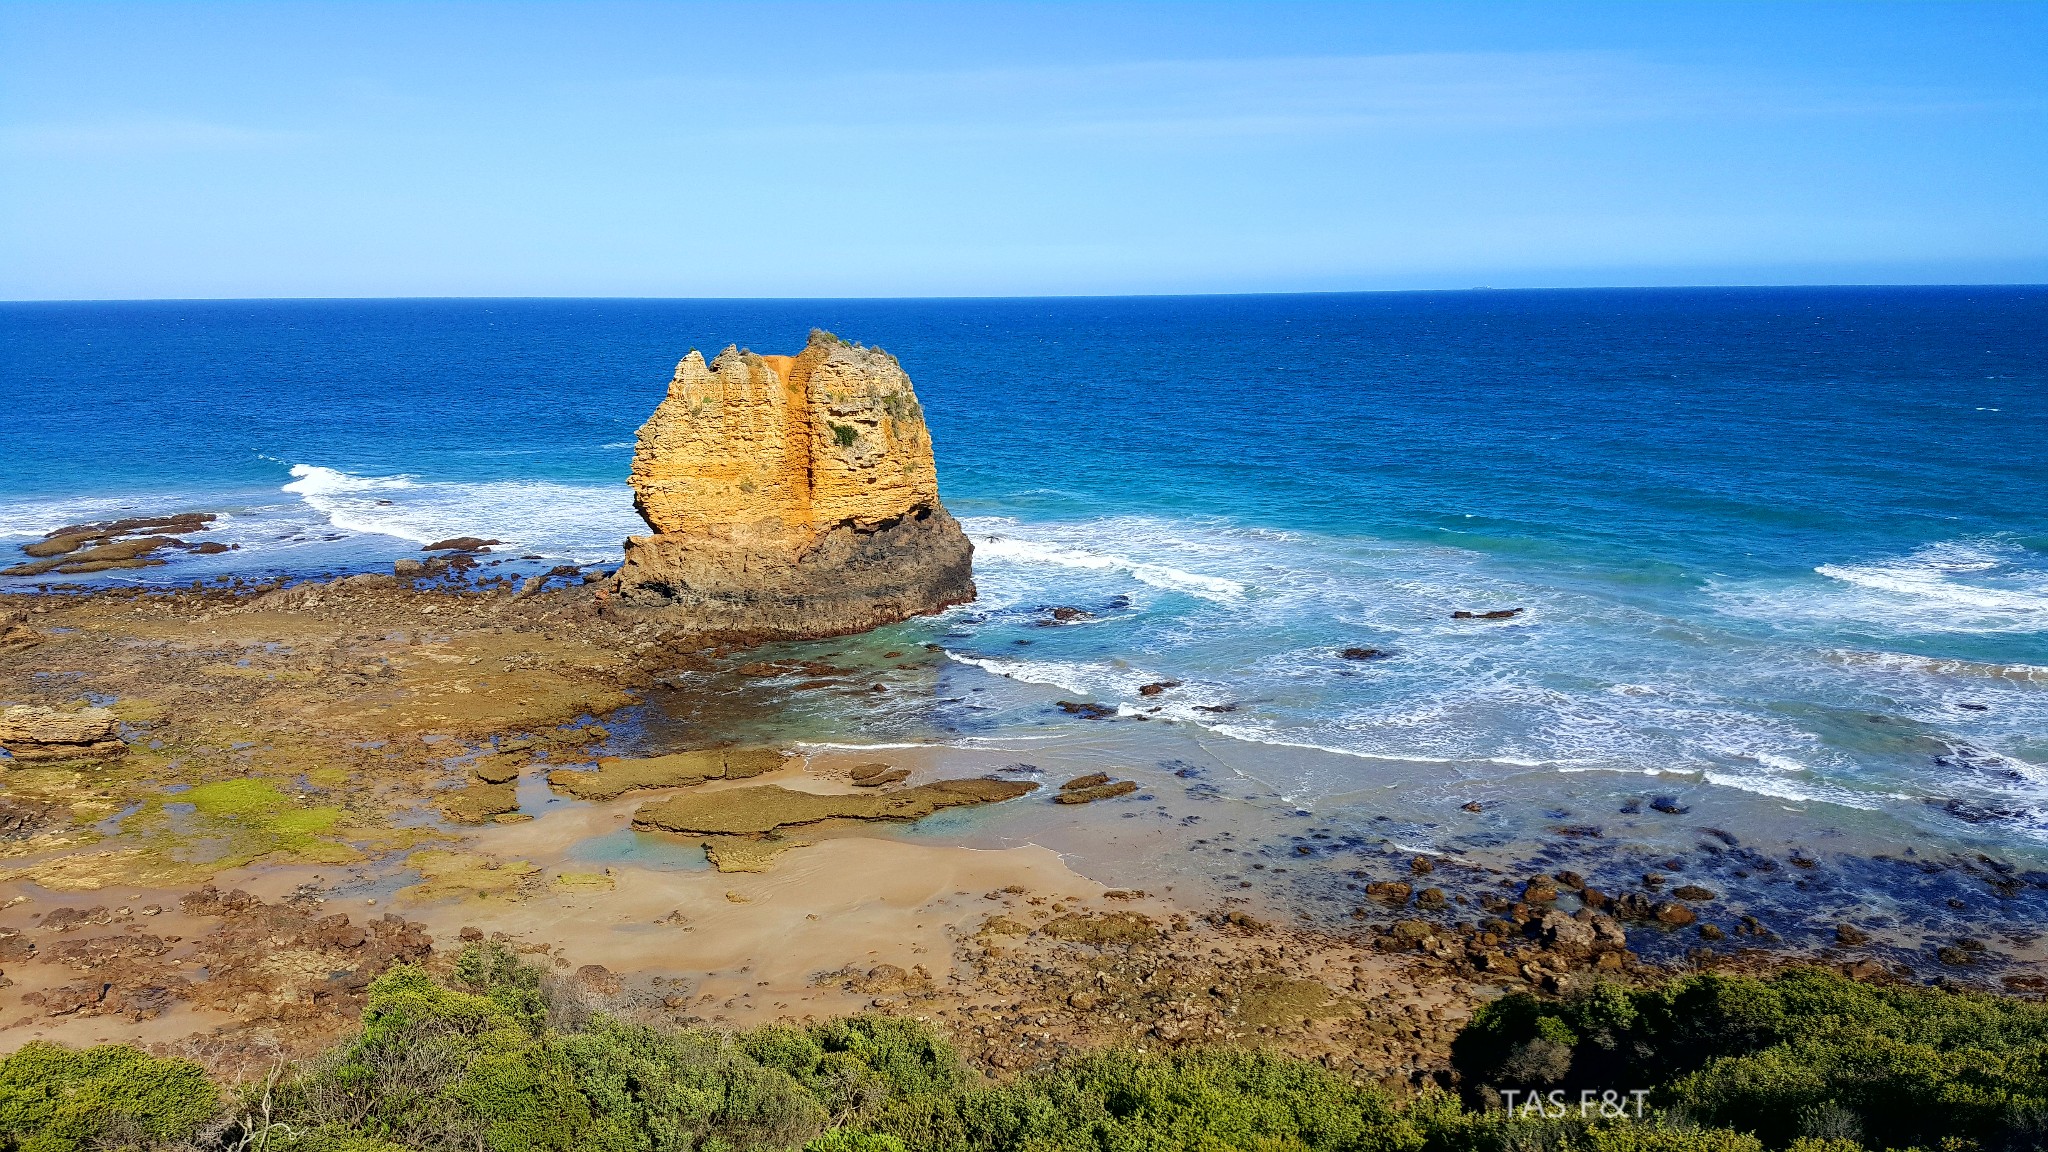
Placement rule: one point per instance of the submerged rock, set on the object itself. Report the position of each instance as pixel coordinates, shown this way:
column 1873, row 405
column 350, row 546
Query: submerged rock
column 792, row 496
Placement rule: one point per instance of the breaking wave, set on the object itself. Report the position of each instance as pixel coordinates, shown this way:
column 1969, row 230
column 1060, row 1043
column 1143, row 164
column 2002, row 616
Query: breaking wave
column 1955, row 586
column 586, row 524
column 998, row 539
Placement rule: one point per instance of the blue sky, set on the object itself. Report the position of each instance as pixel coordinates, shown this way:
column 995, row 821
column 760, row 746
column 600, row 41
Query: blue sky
column 290, row 149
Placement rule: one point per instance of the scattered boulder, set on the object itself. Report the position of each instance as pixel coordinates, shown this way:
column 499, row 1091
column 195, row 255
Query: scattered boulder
column 465, row 544
column 1608, row 936
column 1362, row 654
column 31, row 733
column 1497, row 614
column 1673, row 913
column 1087, row 710
column 1092, row 787
column 1564, row 933
column 1157, row 687
column 1390, row 892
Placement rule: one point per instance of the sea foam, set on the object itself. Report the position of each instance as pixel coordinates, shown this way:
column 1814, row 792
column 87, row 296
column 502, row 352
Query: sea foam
column 1990, row 586
column 582, row 523
column 998, row 539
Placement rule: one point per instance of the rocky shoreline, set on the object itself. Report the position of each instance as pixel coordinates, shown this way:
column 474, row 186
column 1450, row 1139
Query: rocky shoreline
column 318, row 781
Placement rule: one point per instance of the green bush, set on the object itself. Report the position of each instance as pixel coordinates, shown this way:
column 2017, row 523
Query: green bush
column 54, row 1099
column 683, row 1090
column 1804, row 1054
column 1130, row 1101
column 846, row 1140
column 1801, row 1062
column 496, row 973
column 434, row 1067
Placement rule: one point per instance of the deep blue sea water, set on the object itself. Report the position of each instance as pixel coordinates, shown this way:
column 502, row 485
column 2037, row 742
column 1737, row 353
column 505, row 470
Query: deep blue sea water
column 1790, row 544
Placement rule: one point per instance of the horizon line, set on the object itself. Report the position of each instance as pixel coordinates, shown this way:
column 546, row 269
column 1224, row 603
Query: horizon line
column 1034, row 296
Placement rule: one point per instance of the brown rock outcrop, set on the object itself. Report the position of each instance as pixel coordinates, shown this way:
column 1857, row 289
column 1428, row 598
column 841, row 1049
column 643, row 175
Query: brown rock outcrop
column 792, row 496
column 766, row 808
column 31, row 733
column 83, row 548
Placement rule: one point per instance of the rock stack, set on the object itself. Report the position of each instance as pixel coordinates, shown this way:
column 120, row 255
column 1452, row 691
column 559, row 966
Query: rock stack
column 791, row 496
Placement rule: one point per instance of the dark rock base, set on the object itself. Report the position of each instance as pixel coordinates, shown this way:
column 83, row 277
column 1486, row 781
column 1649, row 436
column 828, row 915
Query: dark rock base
column 851, row 580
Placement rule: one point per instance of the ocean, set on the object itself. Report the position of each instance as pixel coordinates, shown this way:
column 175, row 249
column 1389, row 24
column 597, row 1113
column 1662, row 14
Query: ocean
column 1780, row 556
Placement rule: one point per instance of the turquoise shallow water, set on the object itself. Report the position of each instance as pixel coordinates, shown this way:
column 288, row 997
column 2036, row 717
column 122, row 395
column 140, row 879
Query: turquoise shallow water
column 1785, row 545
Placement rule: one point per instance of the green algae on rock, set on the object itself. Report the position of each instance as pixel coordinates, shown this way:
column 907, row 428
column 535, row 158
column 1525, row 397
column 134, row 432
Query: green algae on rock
column 479, row 802
column 765, row 808
column 614, row 777
column 446, row 875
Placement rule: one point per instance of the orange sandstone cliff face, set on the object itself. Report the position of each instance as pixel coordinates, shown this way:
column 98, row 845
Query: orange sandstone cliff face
column 792, row 496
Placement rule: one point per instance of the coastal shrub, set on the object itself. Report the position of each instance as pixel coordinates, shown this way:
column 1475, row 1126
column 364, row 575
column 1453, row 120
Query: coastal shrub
column 1801, row 1062
column 54, row 1099
column 847, row 1140
column 494, row 971
column 1216, row 1099
column 650, row 1089
column 1803, row 1054
column 436, row 1067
